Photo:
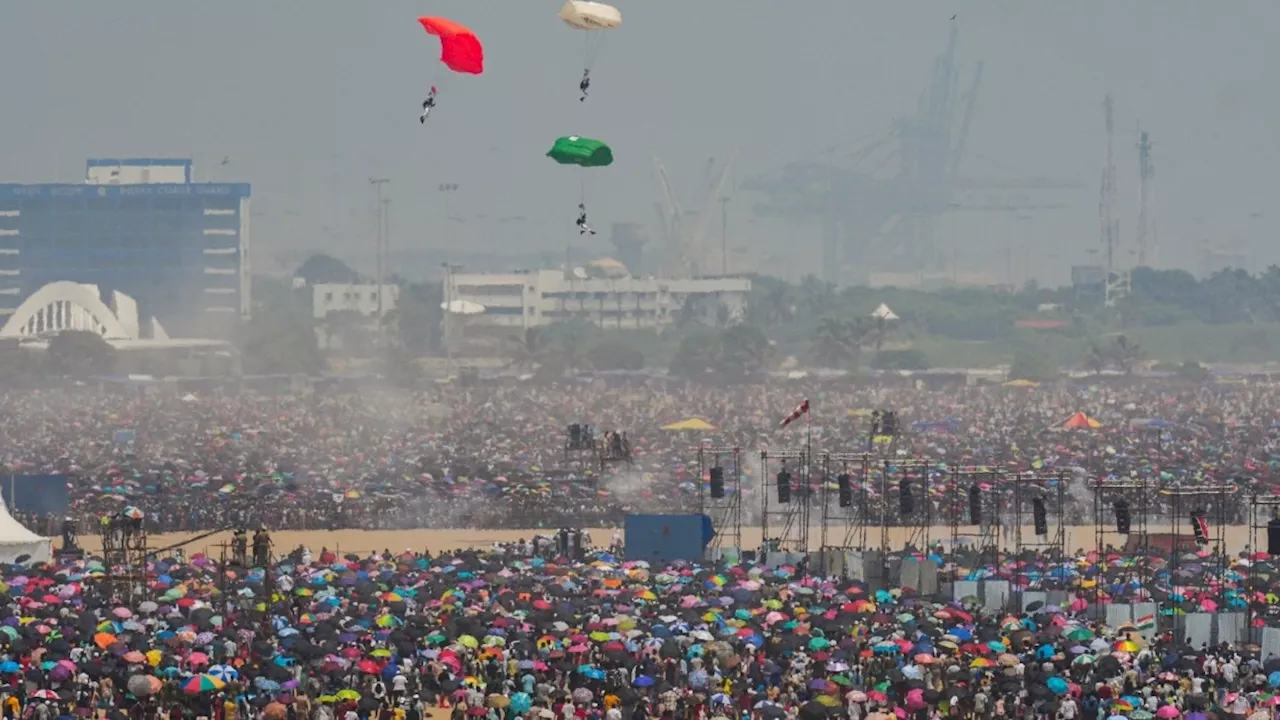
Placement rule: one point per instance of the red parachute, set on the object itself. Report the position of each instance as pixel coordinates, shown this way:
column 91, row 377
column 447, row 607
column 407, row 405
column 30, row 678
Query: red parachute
column 460, row 49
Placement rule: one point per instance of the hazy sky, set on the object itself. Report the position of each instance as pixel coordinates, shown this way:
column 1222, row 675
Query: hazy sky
column 310, row 98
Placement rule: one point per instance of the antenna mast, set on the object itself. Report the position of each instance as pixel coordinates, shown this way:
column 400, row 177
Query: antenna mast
column 1107, row 212
column 1146, row 231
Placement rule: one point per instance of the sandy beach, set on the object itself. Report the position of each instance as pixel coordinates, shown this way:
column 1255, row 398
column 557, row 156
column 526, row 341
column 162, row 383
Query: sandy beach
column 365, row 541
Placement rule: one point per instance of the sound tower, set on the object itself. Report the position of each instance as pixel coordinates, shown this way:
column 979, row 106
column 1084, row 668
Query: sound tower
column 784, row 487
column 1039, row 516
column 845, row 489
column 717, row 482
column 1122, row 516
column 1273, row 537
column 905, row 502
column 975, row 504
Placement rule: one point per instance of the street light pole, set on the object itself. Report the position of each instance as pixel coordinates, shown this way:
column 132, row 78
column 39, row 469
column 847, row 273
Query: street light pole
column 724, row 236
column 446, row 329
column 386, row 250
column 379, row 209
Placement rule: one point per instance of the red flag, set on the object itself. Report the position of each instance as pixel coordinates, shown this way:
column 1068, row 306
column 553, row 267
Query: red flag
column 1202, row 529
column 801, row 409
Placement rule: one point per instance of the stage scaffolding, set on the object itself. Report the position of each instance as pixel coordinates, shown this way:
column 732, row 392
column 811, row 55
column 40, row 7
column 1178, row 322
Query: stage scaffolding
column 986, row 538
column 1262, row 509
column 919, row 522
column 124, row 555
column 725, row 512
column 1050, row 488
column 785, row 526
column 1137, row 493
column 1185, row 500
column 846, row 527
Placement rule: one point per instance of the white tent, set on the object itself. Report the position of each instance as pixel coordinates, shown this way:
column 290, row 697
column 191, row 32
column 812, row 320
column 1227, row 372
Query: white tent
column 16, row 541
column 884, row 313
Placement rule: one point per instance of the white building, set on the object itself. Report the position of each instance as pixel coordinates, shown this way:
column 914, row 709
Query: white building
column 543, row 297
column 332, row 305
column 361, row 298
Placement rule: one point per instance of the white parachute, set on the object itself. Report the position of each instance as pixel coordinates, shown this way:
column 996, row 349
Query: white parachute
column 591, row 17
column 588, row 15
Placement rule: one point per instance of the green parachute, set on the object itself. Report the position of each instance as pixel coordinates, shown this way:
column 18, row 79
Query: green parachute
column 584, row 152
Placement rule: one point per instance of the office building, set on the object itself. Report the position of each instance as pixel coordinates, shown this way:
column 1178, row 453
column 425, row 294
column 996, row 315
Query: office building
column 544, row 297
column 139, row 227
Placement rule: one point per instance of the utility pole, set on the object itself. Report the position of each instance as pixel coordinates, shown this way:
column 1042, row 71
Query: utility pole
column 377, row 280
column 724, row 236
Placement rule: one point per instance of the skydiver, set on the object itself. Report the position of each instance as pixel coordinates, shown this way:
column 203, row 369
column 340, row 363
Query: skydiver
column 427, row 104
column 584, row 84
column 581, row 222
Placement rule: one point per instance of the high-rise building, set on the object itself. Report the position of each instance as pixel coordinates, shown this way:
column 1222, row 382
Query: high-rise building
column 138, row 226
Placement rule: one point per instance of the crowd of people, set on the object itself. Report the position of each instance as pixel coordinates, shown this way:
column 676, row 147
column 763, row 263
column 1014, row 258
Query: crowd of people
column 550, row 628
column 535, row 630
column 494, row 456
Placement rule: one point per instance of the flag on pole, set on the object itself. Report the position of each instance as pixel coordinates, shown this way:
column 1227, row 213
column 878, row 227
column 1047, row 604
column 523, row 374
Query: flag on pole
column 1145, row 623
column 1201, row 529
column 801, row 409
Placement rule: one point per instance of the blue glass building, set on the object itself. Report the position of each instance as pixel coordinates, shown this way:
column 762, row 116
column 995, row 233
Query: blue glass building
column 180, row 249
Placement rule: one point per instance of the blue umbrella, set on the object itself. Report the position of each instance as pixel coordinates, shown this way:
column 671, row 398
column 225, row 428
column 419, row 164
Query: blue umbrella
column 646, row 681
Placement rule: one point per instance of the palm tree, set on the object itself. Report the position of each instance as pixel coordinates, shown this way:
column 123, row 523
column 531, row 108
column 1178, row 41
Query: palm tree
column 526, row 350
column 743, row 349
column 831, row 346
column 1126, row 354
column 1096, row 358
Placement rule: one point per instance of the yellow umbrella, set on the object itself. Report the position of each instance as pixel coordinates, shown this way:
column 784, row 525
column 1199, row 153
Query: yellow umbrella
column 689, row 424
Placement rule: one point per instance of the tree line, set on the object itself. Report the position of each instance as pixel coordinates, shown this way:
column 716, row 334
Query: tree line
column 815, row 322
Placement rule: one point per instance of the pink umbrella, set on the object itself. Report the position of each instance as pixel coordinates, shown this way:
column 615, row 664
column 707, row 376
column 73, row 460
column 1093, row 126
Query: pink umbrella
column 1168, row 711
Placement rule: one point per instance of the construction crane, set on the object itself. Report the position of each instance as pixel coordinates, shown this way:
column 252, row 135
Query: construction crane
column 686, row 252
column 881, row 211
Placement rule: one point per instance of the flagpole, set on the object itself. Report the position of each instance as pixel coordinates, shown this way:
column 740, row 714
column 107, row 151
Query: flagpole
column 808, row 460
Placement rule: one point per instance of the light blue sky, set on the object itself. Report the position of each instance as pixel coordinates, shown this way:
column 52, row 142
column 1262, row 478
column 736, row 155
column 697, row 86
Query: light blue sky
column 311, row 98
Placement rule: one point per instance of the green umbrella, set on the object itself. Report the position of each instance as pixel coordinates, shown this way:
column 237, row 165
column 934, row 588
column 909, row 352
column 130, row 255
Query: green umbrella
column 1080, row 634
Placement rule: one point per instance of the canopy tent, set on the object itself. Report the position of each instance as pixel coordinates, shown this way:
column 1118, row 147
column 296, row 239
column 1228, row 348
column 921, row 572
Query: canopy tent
column 689, row 424
column 1081, row 421
column 884, row 313
column 1022, row 383
column 16, row 541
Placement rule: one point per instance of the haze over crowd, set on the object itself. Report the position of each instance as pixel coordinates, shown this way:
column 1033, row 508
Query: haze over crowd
column 309, row 100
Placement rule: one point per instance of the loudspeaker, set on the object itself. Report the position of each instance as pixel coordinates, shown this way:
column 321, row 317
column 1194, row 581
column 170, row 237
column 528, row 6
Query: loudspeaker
column 717, row 482
column 784, row 487
column 845, row 489
column 876, row 422
column 1200, row 527
column 975, row 504
column 1273, row 537
column 905, row 502
column 889, row 422
column 575, row 436
column 1122, row 517
column 1039, row 516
